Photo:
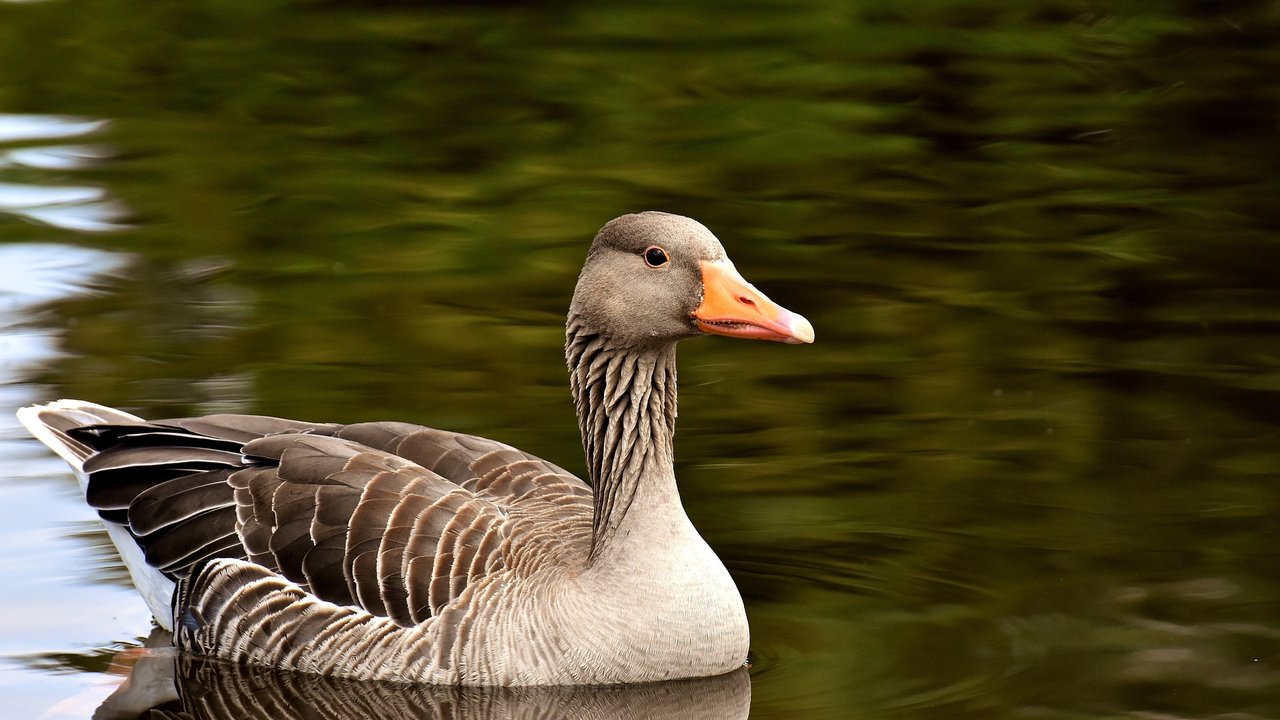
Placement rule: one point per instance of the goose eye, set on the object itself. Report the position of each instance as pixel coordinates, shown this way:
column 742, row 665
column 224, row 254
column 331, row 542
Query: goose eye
column 655, row 256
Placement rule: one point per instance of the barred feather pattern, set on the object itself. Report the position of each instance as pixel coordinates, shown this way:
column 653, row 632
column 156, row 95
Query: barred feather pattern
column 392, row 551
column 396, row 552
column 419, row 536
column 626, row 403
column 213, row 690
column 545, row 609
column 365, row 564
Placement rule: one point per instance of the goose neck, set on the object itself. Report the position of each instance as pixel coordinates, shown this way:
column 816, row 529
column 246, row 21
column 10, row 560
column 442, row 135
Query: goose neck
column 626, row 404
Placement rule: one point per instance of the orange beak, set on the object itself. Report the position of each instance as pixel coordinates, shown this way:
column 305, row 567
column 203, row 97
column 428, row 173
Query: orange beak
column 730, row 306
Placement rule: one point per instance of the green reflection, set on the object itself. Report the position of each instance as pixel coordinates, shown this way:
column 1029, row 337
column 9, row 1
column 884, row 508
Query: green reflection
column 1028, row 467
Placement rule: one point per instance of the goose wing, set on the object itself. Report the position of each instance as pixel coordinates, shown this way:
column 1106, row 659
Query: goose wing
column 393, row 518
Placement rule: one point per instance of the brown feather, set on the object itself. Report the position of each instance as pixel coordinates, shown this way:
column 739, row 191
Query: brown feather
column 178, row 500
column 384, row 516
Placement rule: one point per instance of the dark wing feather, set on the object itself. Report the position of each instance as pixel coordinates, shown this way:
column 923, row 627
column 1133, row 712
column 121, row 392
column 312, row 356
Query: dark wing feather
column 168, row 487
column 179, row 500
column 395, row 518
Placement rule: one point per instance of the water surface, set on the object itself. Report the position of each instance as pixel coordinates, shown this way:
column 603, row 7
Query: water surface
column 1028, row 468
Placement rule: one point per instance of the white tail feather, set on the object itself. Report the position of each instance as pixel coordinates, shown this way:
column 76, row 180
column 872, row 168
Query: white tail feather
column 155, row 588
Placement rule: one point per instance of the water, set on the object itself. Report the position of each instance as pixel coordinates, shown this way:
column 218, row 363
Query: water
column 1028, row 468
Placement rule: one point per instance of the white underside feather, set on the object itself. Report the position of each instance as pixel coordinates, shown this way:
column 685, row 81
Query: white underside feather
column 155, row 588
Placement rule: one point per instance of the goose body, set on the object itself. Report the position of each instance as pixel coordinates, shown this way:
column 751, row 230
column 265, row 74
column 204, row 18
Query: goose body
column 399, row 552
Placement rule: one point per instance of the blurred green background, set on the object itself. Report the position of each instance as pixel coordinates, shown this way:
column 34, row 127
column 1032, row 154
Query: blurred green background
column 1029, row 469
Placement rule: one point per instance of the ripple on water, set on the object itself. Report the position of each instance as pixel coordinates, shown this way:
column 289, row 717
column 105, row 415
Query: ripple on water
column 78, row 208
column 37, row 514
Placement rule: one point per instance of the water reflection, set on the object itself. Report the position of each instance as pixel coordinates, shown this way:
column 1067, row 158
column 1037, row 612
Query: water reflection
column 183, row 686
column 57, row 157
column 1041, row 243
column 45, row 127
column 41, row 509
column 67, row 207
column 42, row 518
column 36, row 274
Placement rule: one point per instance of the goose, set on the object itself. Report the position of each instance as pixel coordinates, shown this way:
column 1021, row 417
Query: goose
column 391, row 551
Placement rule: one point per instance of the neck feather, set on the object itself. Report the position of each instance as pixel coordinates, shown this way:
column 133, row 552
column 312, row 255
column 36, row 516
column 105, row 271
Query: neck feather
column 626, row 403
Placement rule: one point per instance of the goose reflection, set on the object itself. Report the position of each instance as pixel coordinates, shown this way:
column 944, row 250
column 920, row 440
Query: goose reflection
column 169, row 685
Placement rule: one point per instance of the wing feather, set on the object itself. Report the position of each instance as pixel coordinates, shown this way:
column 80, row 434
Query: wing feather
column 393, row 518
column 392, row 551
column 178, row 500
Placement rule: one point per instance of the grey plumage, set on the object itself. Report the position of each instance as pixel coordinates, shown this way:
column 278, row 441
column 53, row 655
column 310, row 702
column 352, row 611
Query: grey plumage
column 393, row 551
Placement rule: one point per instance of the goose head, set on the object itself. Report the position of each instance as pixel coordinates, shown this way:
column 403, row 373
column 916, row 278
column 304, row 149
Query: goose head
column 656, row 278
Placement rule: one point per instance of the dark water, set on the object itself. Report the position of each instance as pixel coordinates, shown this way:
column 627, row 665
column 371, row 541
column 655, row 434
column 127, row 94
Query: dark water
column 1029, row 469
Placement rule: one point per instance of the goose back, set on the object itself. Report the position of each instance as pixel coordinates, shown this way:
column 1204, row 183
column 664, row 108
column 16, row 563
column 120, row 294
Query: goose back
column 393, row 518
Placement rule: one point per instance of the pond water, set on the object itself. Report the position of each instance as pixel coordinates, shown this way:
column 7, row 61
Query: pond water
column 1028, row 469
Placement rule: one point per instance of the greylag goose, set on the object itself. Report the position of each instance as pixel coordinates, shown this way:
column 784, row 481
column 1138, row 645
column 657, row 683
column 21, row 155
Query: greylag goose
column 397, row 552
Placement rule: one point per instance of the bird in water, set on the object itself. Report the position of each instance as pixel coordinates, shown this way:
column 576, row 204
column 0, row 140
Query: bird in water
column 392, row 551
